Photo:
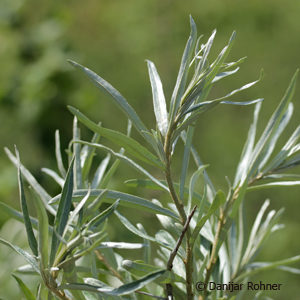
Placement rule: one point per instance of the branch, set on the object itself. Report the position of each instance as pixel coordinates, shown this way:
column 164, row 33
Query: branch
column 169, row 287
column 185, row 228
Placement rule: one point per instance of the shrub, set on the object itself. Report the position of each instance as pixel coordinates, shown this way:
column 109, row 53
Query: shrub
column 202, row 237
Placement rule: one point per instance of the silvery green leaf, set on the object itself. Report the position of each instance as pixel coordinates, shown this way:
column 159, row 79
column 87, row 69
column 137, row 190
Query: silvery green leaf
column 32, row 181
column 217, row 64
column 272, row 184
column 59, row 161
column 284, row 152
column 185, row 161
column 147, row 245
column 255, row 229
column 243, row 103
column 271, row 127
column 77, row 150
column 64, row 207
column 29, row 231
column 87, row 156
column 159, row 148
column 183, row 72
column 121, row 245
column 159, row 101
column 224, row 74
column 24, row 288
column 282, row 176
column 97, row 220
column 257, row 267
column 199, row 163
column 141, row 233
column 76, row 211
column 26, row 269
column 100, row 171
column 139, row 269
column 127, row 200
column 233, row 64
column 219, row 200
column 122, row 290
column 206, row 51
column 144, row 183
column 122, row 140
column 128, row 161
column 193, row 180
column 53, row 175
column 28, row 257
column 246, row 156
column 244, row 87
column 273, row 139
column 43, row 233
column 116, row 96
column 110, row 172
column 289, row 269
column 241, row 240
column 261, row 232
column 290, row 162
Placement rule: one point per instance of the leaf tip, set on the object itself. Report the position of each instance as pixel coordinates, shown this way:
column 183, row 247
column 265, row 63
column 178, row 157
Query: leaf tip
column 72, row 62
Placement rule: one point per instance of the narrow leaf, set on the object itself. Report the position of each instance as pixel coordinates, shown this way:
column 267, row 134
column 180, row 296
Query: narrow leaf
column 122, row 290
column 141, row 233
column 12, row 213
column 100, row 171
column 121, row 245
column 128, row 161
column 218, row 201
column 116, row 96
column 272, row 126
column 30, row 235
column 243, row 103
column 245, row 160
column 111, row 171
column 63, row 210
column 96, row 221
column 28, row 257
column 25, row 290
column 194, row 179
column 54, row 175
column 185, row 160
column 76, row 150
column 59, row 161
column 272, row 184
column 43, row 232
column 159, row 101
column 259, row 267
column 87, row 155
column 183, row 71
column 224, row 74
column 32, row 181
column 126, row 200
column 129, row 144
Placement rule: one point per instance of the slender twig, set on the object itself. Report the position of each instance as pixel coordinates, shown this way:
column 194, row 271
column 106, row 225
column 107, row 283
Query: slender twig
column 176, row 200
column 51, row 285
column 179, row 241
column 221, row 223
column 180, row 208
column 101, row 257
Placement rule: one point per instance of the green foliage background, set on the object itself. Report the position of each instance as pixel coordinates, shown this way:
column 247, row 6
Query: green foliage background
column 114, row 38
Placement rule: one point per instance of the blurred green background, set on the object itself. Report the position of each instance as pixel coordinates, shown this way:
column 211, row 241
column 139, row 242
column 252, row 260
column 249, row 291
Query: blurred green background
column 114, row 38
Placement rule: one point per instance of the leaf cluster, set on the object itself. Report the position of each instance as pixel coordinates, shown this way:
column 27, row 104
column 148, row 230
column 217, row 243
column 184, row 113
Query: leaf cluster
column 202, row 235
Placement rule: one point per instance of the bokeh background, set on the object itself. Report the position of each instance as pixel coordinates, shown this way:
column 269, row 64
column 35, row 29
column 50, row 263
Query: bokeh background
column 114, row 38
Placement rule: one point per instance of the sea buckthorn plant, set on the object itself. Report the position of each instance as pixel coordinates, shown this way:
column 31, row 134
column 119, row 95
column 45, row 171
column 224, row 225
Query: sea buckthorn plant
column 202, row 228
